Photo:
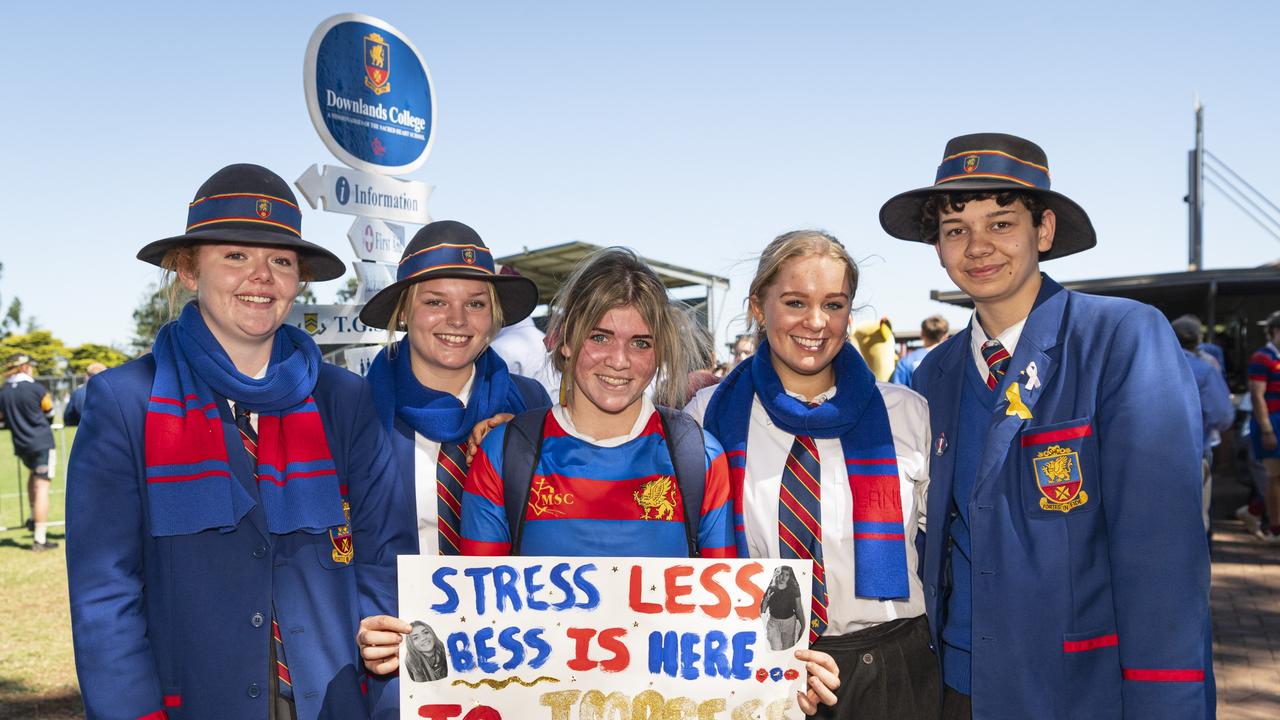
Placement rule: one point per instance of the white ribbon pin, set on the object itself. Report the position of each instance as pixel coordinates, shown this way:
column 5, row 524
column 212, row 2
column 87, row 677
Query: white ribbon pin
column 1033, row 379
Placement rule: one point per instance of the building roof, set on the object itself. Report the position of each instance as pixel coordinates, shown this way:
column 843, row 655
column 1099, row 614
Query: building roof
column 1162, row 289
column 548, row 267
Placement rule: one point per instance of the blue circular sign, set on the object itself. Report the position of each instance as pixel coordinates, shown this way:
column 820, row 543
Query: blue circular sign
column 369, row 94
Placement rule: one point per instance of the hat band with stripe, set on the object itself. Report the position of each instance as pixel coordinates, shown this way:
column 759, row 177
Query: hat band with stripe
column 446, row 256
column 208, row 213
column 992, row 165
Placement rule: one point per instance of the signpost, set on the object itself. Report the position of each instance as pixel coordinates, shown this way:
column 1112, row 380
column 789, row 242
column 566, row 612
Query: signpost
column 353, row 192
column 369, row 95
column 376, row 241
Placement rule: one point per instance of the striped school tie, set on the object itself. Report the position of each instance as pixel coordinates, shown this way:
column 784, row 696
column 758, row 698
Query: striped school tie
column 249, row 436
column 800, row 522
column 451, row 470
column 997, row 362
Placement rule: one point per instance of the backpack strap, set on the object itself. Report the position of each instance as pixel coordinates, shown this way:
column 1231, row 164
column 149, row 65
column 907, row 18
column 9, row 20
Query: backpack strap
column 688, row 457
column 521, row 448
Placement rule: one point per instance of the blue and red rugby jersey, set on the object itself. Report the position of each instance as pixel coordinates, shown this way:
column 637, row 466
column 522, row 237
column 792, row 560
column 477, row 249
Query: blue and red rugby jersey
column 587, row 500
column 1264, row 367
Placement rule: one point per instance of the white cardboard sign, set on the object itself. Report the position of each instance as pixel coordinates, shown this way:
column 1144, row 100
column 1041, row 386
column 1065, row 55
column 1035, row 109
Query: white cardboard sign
column 528, row 638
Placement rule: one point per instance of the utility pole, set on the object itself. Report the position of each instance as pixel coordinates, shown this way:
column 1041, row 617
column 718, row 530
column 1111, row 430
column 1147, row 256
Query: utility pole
column 1195, row 196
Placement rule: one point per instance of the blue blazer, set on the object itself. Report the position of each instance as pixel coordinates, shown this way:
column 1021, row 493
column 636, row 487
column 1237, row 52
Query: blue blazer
column 1101, row 610
column 179, row 627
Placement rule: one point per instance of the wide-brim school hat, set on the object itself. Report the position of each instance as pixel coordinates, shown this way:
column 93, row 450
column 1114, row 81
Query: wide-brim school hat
column 450, row 249
column 246, row 204
column 993, row 163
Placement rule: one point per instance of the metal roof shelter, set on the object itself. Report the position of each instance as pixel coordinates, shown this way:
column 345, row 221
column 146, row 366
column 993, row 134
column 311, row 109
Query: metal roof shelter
column 549, row 267
column 1231, row 302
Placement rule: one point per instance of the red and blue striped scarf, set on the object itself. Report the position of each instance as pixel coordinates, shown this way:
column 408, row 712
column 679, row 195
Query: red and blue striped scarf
column 856, row 415
column 190, row 484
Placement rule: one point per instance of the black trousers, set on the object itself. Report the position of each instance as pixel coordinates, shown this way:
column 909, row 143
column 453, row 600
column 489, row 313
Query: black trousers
column 887, row 672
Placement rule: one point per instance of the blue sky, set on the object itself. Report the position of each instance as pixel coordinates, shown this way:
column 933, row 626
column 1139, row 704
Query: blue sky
column 693, row 132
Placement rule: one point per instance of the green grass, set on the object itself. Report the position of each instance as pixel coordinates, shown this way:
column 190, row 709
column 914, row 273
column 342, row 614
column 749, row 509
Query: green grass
column 37, row 668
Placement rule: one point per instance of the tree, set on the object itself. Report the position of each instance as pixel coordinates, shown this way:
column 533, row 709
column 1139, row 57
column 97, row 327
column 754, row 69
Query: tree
column 45, row 349
column 348, row 293
column 154, row 310
column 88, row 353
column 307, row 296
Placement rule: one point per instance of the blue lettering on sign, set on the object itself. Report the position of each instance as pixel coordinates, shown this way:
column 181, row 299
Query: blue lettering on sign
column 504, row 583
column 592, row 594
column 557, row 579
column 531, row 587
column 342, row 190
column 374, row 96
column 677, row 654
column 477, row 576
column 450, row 603
column 486, row 657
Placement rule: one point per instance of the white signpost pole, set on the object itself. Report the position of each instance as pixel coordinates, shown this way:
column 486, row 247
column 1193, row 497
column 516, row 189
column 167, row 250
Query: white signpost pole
column 370, row 99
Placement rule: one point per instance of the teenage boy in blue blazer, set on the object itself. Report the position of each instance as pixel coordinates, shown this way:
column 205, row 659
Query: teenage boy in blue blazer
column 1066, row 569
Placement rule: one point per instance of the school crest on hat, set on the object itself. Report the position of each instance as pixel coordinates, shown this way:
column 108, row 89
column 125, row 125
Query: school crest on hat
column 1058, row 478
column 264, row 208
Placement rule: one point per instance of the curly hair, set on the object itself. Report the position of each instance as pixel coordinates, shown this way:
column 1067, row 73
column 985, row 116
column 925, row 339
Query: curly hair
column 933, row 207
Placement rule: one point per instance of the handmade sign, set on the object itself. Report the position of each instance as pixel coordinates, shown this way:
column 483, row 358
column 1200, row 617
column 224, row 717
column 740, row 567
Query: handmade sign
column 579, row 638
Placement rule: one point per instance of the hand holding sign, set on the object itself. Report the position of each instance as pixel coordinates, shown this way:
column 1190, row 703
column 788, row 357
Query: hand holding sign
column 538, row 637
column 379, row 640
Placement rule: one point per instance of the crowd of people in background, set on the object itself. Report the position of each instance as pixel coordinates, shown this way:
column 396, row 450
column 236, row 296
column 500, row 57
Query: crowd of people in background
column 235, row 504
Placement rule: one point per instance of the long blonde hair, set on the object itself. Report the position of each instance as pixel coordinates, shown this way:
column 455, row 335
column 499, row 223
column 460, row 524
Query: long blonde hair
column 612, row 278
column 789, row 246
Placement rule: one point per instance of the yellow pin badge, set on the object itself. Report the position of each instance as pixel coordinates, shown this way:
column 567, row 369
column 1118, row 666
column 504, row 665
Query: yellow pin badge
column 1016, row 406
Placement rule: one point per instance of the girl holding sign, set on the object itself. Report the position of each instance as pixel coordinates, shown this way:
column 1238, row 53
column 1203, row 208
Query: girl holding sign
column 829, row 465
column 607, row 472
column 442, row 378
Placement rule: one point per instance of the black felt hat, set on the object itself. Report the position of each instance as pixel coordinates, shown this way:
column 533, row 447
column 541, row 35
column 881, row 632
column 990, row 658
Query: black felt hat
column 993, row 163
column 247, row 204
column 449, row 249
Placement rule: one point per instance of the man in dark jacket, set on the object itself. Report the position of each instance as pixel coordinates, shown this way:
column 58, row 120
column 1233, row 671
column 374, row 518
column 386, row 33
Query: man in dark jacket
column 27, row 409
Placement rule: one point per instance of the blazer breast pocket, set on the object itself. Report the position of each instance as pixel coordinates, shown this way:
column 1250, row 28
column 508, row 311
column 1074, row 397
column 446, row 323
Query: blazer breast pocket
column 1059, row 470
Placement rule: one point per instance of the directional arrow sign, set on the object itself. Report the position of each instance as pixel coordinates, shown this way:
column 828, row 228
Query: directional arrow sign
column 373, row 277
column 376, row 240
column 359, row 193
column 334, row 324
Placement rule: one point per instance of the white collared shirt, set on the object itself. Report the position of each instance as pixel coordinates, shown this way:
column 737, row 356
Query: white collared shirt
column 647, row 410
column 767, row 450
column 426, row 454
column 978, row 336
column 253, row 416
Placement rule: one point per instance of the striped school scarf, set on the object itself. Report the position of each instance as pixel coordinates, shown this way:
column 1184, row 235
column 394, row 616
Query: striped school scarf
column 856, row 415
column 190, row 483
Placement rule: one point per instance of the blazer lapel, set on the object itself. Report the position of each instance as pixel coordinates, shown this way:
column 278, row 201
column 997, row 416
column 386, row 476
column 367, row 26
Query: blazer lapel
column 1037, row 355
column 944, row 402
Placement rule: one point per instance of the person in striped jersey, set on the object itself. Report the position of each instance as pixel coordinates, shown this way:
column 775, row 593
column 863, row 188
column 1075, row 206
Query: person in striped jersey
column 828, row 464
column 605, row 482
